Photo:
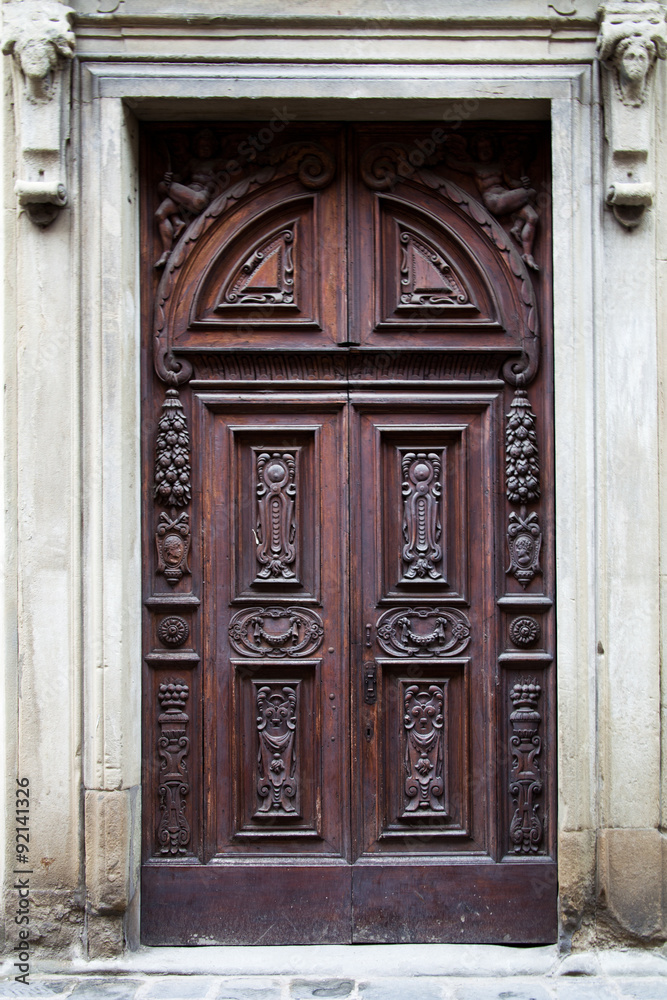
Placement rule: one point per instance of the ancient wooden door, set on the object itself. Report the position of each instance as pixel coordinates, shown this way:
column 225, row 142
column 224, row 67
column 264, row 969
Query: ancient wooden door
column 348, row 534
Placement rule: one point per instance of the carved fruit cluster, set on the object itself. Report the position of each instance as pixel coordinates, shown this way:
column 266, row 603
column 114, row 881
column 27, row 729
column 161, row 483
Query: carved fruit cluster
column 522, row 467
column 172, row 454
column 173, row 695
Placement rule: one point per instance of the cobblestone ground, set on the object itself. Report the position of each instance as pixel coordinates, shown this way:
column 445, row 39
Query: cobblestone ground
column 192, row 987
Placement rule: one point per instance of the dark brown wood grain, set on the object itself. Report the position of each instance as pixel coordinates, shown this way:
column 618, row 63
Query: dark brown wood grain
column 349, row 635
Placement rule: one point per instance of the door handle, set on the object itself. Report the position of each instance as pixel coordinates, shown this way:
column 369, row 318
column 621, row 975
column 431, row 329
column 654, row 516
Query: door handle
column 370, row 683
column 368, row 636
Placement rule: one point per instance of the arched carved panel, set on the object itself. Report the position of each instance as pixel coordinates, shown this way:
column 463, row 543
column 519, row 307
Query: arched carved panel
column 265, row 277
column 430, row 278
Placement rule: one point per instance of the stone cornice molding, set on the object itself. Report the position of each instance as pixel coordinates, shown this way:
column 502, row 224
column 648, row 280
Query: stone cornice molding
column 632, row 37
column 39, row 36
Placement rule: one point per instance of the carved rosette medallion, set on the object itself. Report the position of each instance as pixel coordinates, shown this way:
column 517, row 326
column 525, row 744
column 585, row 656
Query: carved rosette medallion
column 277, row 783
column 173, row 832
column 172, row 539
column 276, row 632
column 525, row 631
column 423, row 631
column 276, row 516
column 525, row 787
column 423, row 723
column 173, row 631
column 524, row 540
column 422, row 530
column 521, row 454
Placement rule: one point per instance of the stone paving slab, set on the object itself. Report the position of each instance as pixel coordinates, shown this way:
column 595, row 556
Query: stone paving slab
column 198, row 987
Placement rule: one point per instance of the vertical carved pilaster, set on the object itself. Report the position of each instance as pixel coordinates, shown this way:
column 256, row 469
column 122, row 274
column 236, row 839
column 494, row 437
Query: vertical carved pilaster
column 173, row 747
column 276, row 724
column 422, row 530
column 276, row 516
column 525, row 785
column 423, row 722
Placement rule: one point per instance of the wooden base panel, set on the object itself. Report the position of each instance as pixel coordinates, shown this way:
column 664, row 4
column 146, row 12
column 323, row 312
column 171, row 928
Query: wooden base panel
column 245, row 904
column 464, row 903
column 383, row 904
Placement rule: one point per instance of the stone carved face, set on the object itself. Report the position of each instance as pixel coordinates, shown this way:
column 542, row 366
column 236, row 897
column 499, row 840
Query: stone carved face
column 635, row 61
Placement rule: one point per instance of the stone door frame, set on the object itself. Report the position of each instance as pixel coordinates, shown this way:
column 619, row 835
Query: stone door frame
column 102, row 363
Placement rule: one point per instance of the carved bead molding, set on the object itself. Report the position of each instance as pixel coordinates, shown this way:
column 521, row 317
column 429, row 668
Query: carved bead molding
column 275, row 536
column 525, row 785
column 423, row 631
column 276, row 724
column 173, row 833
column 423, row 722
column 632, row 37
column 38, row 34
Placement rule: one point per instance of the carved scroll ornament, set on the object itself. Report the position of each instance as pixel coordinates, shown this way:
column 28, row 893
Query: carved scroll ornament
column 526, row 829
column 39, row 35
column 276, row 724
column 423, row 723
column 632, row 37
column 276, row 632
column 423, row 631
column 173, row 747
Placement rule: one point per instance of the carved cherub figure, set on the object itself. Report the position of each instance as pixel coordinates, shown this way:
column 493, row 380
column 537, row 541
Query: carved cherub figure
column 501, row 191
column 188, row 192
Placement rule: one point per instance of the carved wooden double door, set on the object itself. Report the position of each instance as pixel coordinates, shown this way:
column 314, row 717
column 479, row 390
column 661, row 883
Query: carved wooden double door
column 348, row 535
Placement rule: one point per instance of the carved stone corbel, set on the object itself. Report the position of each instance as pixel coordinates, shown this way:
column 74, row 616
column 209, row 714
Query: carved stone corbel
column 632, row 37
column 38, row 34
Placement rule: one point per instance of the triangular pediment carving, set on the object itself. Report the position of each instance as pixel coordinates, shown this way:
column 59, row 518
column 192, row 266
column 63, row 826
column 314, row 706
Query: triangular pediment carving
column 427, row 277
column 266, row 275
